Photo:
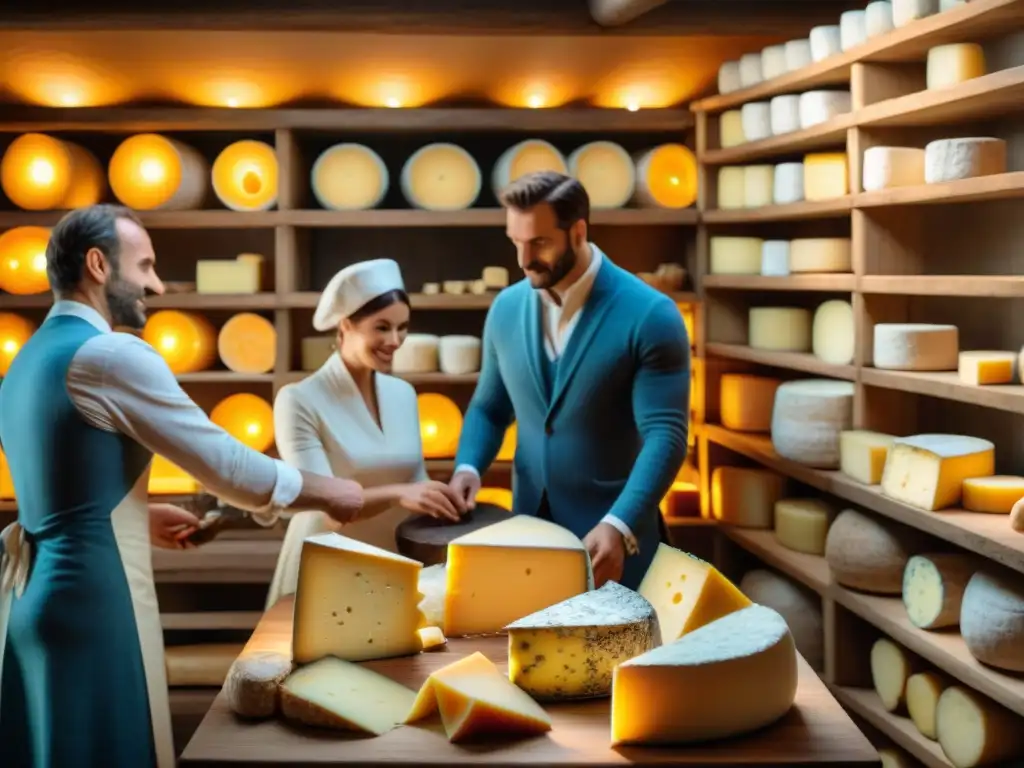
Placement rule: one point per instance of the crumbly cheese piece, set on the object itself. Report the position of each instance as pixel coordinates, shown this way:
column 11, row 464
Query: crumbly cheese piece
column 606, row 171
column 745, row 497
column 750, row 69
column 906, row 11
column 757, row 121
column 775, row 256
column 916, row 347
column 729, row 77
column 568, row 651
column 825, row 41
column 337, row 694
column 745, row 401
column 495, row 278
column 780, row 329
column 808, row 416
column 789, row 183
column 965, row 158
column 975, row 731
column 735, row 255
column 798, row 54
column 986, row 367
column 852, row 29
column 459, row 355
column 785, row 114
column 922, row 695
column 773, row 61
column 432, row 584
column 800, row 607
column 731, row 187
column 354, row 601
column 687, row 592
column 748, row 659
column 933, row 588
column 758, row 185
column 441, row 177
column 820, row 254
column 996, row 494
column 992, row 620
column 419, row 353
column 891, row 666
column 253, row 681
column 509, row 570
column 866, row 555
column 431, row 638
column 888, row 167
column 730, row 129
column 928, row 471
column 818, row 107
column 832, row 333
column 952, row 64
column 862, row 454
column 349, row 177
column 826, row 176
column 802, row 524
column 878, row 18
column 529, row 156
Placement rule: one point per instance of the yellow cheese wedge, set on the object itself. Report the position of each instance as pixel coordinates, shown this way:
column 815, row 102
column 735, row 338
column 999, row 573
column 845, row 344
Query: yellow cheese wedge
column 862, row 454
column 928, row 471
column 982, row 367
column 431, row 637
column 426, row 700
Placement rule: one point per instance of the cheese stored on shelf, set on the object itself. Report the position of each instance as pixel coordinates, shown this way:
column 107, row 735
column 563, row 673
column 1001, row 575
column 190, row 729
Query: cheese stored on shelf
column 852, row 29
column 529, row 156
column 758, row 185
column 419, row 353
column 798, row 54
column 730, row 129
column 666, row 177
column 252, row 685
column 606, row 171
column 750, row 69
column 729, row 77
column 227, row 276
column 982, row 367
column 807, row 418
column 147, row 172
column 773, row 61
column 878, row 18
column 826, row 176
column 731, row 187
column 802, row 524
column 349, row 177
column 891, row 666
column 735, row 255
column 199, row 665
column 867, row 555
column 922, row 696
column 1016, row 516
column 825, row 41
column 495, row 278
column 779, row 329
column 888, row 167
column 974, row 730
column 996, row 494
column 568, row 650
column 916, row 347
column 745, row 401
column 441, row 177
column 906, row 11
column 747, row 658
column 821, row 254
column 797, row 605
column 788, row 184
column 508, row 570
column 964, row 158
column 832, row 333
column 992, row 620
column 431, row 289
column 862, row 454
column 459, row 355
column 933, row 588
column 818, row 107
column 952, row 64
column 775, row 256
column 247, row 343
column 454, row 287
column 745, row 497
column 784, row 114
column 928, row 471
column 946, row 5
column 757, row 121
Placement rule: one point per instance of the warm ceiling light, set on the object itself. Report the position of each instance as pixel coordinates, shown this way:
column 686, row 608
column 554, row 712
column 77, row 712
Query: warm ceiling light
column 535, row 101
column 633, row 106
column 392, row 102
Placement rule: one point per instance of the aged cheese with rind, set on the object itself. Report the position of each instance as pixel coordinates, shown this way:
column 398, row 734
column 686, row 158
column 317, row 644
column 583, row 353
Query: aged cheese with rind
column 891, row 666
column 780, row 329
column 888, row 167
column 802, row 524
column 729, row 77
column 735, row 255
column 757, row 121
column 441, row 177
column 906, row 11
column 964, row 158
column 922, row 696
column 797, row 605
column 459, row 355
column 773, row 61
column 495, row 278
column 731, row 187
column 253, row 683
column 952, row 64
column 228, row 276
column 869, row 556
column 758, row 185
column 666, row 177
column 606, row 171
column 974, row 730
column 775, row 257
column 826, row 176
column 349, row 177
column 747, row 658
column 807, row 418
column 745, row 497
column 916, row 347
column 878, row 18
column 568, row 651
column 745, row 401
column 928, row 471
column 992, row 620
column 432, row 584
column 852, row 29
column 933, row 588
column 862, row 454
column 798, row 54
column 788, row 184
column 730, row 129
column 825, row 41
column 818, row 107
column 820, row 254
column 419, row 353
column 785, row 113
column 832, row 332
column 529, row 156
column 750, row 69
column 996, row 494
column 982, row 367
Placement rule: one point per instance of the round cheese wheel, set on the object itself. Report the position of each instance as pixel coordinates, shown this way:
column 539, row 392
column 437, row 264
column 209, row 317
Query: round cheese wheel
column 253, row 682
column 441, row 177
column 916, row 347
column 459, row 354
column 923, row 692
column 963, row 158
column 807, row 419
column 245, row 176
column 23, row 260
column 349, row 177
column 891, row 667
column 820, row 254
column 745, row 401
column 666, row 177
column 745, row 497
column 186, row 340
column 42, row 173
column 800, row 607
column 419, row 353
column 247, row 343
column 802, row 524
column 975, row 731
column 992, row 620
column 780, row 329
column 606, row 171
column 530, row 156
column 150, row 172
column 832, row 335
column 933, row 588
column 866, row 555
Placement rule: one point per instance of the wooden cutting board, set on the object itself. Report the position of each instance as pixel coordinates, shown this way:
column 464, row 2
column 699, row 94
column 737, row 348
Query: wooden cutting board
column 426, row 539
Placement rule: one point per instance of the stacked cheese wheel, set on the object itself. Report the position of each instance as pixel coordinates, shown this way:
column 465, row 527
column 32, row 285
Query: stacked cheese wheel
column 757, row 120
column 820, row 176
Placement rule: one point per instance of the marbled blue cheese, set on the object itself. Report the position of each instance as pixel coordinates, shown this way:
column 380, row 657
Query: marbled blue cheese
column 568, row 651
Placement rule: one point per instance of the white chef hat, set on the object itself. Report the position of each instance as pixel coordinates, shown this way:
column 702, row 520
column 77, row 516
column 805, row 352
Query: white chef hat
column 353, row 287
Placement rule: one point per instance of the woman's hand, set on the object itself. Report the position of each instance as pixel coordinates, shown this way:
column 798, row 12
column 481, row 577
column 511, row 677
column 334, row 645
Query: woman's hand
column 170, row 526
column 433, row 498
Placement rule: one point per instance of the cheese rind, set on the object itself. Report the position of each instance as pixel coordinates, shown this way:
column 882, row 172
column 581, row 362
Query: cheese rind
column 818, row 107
column 253, row 682
column 785, row 114
column 758, row 185
column 807, row 418
column 349, row 177
column 745, row 402
column 750, row 69
column 459, row 355
column 529, row 156
column 992, row 620
column 982, row 367
column 775, row 257
column 832, row 332
column 773, row 61
column 852, row 29
column 780, row 329
column 922, row 695
column 798, row 54
column 916, row 347
column 735, row 255
column 888, row 167
column 952, row 64
column 730, row 129
column 975, row 731
column 757, row 121
column 862, row 454
column 933, row 588
column 745, row 497
column 964, row 158
column 825, row 41
column 441, row 177
column 606, row 171
column 826, row 176
column 820, row 254
column 906, row 11
column 419, row 353
column 729, row 77
column 866, row 555
column 928, row 471
column 891, row 666
column 788, row 184
column 802, row 524
column 878, row 18
column 996, row 494
column 797, row 605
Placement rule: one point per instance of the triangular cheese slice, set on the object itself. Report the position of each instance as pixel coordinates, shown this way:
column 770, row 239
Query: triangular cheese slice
column 426, row 700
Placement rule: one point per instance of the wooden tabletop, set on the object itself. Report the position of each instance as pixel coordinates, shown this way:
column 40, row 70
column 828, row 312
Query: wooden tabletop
column 815, row 732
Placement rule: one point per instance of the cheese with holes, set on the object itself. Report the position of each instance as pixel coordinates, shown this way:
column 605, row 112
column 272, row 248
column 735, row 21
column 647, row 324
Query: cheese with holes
column 750, row 69
column 818, row 107
column 820, row 254
column 773, row 61
column 878, row 18
column 747, row 658
column 983, row 367
column 788, row 183
column 666, row 177
column 529, row 156
column 745, row 401
column 933, row 588
column 780, row 329
column 568, row 651
column 745, row 497
column 337, row 694
column 894, row 758
column 228, row 276
column 729, row 77
column 807, row 418
column 802, row 524
column 419, row 353
column 928, row 471
column 731, row 187
column 852, row 29
column 992, row 620
column 862, row 454
column 832, row 334
column 922, row 696
column 891, row 666
column 888, row 167
column 441, row 177
column 798, row 54
column 965, row 158
column 916, row 347
column 952, row 64
column 825, row 176
column 495, row 278
column 253, row 682
column 606, row 171
column 784, row 112
column 825, row 41
column 354, row 601
column 349, row 177
column 996, row 494
column 735, row 255
column 775, row 257
column 867, row 555
column 758, row 185
column 906, row 11
column 687, row 592
column 508, row 570
column 459, row 355
column 757, row 122
column 730, row 129
column 974, row 730
column 797, row 605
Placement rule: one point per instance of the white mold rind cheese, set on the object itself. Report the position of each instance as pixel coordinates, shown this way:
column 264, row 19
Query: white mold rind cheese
column 252, row 683
column 459, row 355
column 798, row 54
column 832, row 334
column 788, row 184
column 745, row 497
column 419, row 353
column 865, row 555
column 975, row 731
column 967, row 158
column 878, row 18
column 441, row 177
column 891, row 667
column 750, row 69
column 906, row 11
column 916, row 347
column 992, row 620
column 785, row 114
column 775, row 257
column 889, row 167
column 933, row 588
column 773, row 61
column 797, row 605
column 729, row 77
column 852, row 29
column 825, row 41
column 818, row 107
column 807, row 419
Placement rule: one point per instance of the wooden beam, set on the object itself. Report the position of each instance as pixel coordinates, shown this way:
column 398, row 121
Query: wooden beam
column 614, row 13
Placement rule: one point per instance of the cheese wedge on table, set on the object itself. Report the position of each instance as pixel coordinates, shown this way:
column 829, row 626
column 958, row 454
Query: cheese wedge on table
column 928, row 471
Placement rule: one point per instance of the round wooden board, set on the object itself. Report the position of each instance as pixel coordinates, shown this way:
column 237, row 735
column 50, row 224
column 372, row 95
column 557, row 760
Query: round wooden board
column 426, row 539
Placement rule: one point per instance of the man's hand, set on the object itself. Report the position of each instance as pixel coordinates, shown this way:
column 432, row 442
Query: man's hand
column 607, row 553
column 466, row 485
column 432, row 498
column 170, row 526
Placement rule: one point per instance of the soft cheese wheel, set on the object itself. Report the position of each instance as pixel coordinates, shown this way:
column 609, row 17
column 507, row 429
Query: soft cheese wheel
column 888, row 167
column 807, row 419
column 891, row 667
column 797, row 605
column 775, row 257
column 441, row 177
column 950, row 65
column 826, row 176
column 247, row 343
column 784, row 114
column 459, row 355
column 495, row 278
column 933, row 588
column 666, row 177
column 832, row 334
column 928, row 471
column 968, row 158
column 867, row 555
column 735, row 255
column 980, row 367
column 185, row 340
column 729, row 77
column 852, row 29
column 731, row 187
column 788, row 183
column 773, row 61
column 418, row 354
column 802, row 524
column 818, row 107
column 862, row 455
column 606, row 171
column 530, row 156
column 798, row 54
column 750, row 69
column 149, row 172
column 745, row 497
column 825, row 41
column 758, row 185
column 922, row 695
column 779, row 329
column 349, row 177
column 996, row 494
column 253, row 681
column 745, row 401
column 245, row 176
column 916, row 347
column 992, row 620
column 730, row 129
column 878, row 18
column 821, row 254
column 906, row 11
column 975, row 731
column 757, row 120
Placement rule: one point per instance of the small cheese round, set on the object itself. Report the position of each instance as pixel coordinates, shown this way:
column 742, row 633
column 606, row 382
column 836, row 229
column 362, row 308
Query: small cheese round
column 418, row 354
column 779, row 329
column 735, row 255
column 923, row 692
column 798, row 54
column 666, row 177
column 773, row 61
column 865, row 555
column 889, row 167
column 825, row 42
column 757, row 121
column 891, row 666
column 974, row 730
column 807, row 418
column 820, row 254
column 832, row 335
column 750, row 69
column 441, row 177
column 992, row 620
column 952, row 64
column 775, row 258
column 965, row 158
column 916, row 347
column 802, row 524
column 253, row 681
column 797, row 605
column 745, row 497
column 933, row 588
column 788, row 186
column 745, row 401
column 852, row 29
column 878, row 18
column 817, row 107
column 529, row 156
column 349, row 177
column 730, row 129
column 906, row 11
column 785, row 114
column 459, row 355
column 606, row 171
column 729, row 77
column 996, row 494
column 758, row 185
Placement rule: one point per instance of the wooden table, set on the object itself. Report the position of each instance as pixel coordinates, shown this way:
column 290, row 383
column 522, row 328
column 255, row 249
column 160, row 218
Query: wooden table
column 816, row 731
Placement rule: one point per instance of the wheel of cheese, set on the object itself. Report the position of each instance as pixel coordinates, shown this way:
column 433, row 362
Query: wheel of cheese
column 42, row 173
column 757, row 120
column 865, row 555
column 666, row 177
column 852, row 29
column 992, row 620
column 731, row 187
column 832, row 334
column 779, row 329
column 440, row 425
column 23, row 260
column 186, row 340
column 530, row 156
column 495, row 278
column 773, row 61
column 745, row 402
column 916, row 347
column 149, row 172
column 807, row 419
column 419, row 353
column 775, row 257
column 797, row 605
column 15, row 330
column 933, row 588
column 735, row 255
column 802, row 524
column 826, row 176
column 745, row 497
column 246, row 417
column 825, row 42
column 788, row 183
column 965, row 158
column 784, row 113
column 606, row 171
column 817, row 107
column 798, row 54
column 889, row 167
column 441, row 177
column 459, row 354
column 247, row 343
column 349, row 177
column 426, row 539
column 199, row 666
column 996, row 494
column 975, row 731
column 729, row 77
column 891, row 667
column 878, row 18
column 922, row 694
column 730, row 129
column 820, row 254
column 245, row 176
column 758, row 185
column 750, row 69
column 252, row 686
column 906, row 11
column 952, row 64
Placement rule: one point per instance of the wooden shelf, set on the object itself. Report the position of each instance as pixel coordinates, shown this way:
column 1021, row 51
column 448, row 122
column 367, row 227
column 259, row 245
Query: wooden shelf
column 837, row 282
column 424, row 379
column 824, row 136
column 1003, row 186
column 476, row 217
column 1006, row 397
column 810, row 570
column 211, row 620
column 794, row 361
column 823, row 209
column 985, row 286
column 200, row 219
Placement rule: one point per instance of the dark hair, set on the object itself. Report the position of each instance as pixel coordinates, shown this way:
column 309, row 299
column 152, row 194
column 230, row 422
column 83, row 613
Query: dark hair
column 378, row 303
column 75, row 235
column 564, row 194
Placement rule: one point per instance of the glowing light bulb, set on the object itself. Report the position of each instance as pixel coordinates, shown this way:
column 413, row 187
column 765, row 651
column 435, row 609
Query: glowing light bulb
column 168, row 342
column 151, row 171
column 231, row 102
column 674, row 181
column 252, row 429
column 632, row 106
column 392, row 102
column 70, row 99
column 39, row 262
column 10, row 346
column 535, row 101
column 430, row 429
column 41, row 171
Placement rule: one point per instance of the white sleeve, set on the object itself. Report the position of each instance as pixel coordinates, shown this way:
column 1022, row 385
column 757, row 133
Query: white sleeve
column 119, row 383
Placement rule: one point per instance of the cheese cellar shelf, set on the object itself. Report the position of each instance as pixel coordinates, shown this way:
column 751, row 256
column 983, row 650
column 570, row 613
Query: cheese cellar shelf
column 823, row 282
column 810, row 570
column 794, row 361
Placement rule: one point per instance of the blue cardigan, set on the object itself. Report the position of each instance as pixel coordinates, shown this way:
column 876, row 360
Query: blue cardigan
column 613, row 434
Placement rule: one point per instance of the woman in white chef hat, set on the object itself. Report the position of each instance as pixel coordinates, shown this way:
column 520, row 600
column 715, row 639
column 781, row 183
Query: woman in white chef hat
column 351, row 419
